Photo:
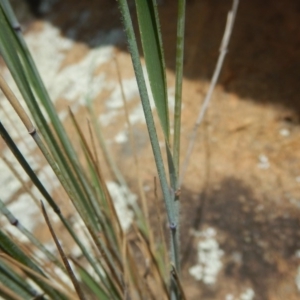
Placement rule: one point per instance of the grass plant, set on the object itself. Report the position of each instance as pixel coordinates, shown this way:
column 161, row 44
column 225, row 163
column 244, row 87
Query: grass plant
column 108, row 267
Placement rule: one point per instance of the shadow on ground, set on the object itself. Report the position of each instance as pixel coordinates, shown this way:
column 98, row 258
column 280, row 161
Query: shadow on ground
column 263, row 62
column 265, row 235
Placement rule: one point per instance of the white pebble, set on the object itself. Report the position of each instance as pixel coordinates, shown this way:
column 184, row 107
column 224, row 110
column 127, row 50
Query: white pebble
column 284, row 132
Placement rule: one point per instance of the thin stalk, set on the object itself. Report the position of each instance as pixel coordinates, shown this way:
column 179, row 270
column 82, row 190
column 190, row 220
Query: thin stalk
column 105, row 219
column 178, row 283
column 168, row 200
column 135, row 276
column 63, row 256
column 114, row 274
column 12, row 123
column 96, row 158
column 35, row 273
column 223, row 51
column 35, row 80
column 32, row 131
column 108, row 225
column 106, row 153
column 136, row 161
column 30, row 84
column 94, row 286
column 115, row 223
column 91, row 204
column 156, row 269
column 63, row 170
column 11, row 294
column 12, row 252
column 49, row 199
column 127, row 282
column 16, row 279
column 178, row 101
column 178, row 82
column 21, row 180
column 16, row 105
column 15, row 222
column 159, row 221
column 117, row 174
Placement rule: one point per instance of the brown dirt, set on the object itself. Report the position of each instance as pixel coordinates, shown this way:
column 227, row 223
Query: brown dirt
column 254, row 210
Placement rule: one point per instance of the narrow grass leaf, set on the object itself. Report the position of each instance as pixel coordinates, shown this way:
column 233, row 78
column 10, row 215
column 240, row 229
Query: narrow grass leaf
column 18, row 59
column 168, row 200
column 15, row 222
column 178, row 283
column 12, row 250
column 90, row 282
column 167, row 196
column 178, row 82
column 27, row 167
column 150, row 34
column 143, row 219
column 63, row 256
column 10, row 293
column 14, row 283
column 47, row 196
column 154, row 264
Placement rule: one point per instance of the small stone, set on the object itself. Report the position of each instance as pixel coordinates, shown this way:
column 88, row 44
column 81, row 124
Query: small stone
column 284, row 132
column 263, row 162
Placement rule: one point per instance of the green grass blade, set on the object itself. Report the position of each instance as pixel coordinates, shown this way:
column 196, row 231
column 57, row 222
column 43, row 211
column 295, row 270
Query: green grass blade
column 23, row 70
column 91, row 283
column 12, row 146
column 7, row 43
column 15, row 222
column 10, row 248
column 150, row 34
column 44, row 192
column 178, row 82
column 146, row 106
column 168, row 199
column 15, row 283
column 63, row 256
column 151, row 39
column 33, row 76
